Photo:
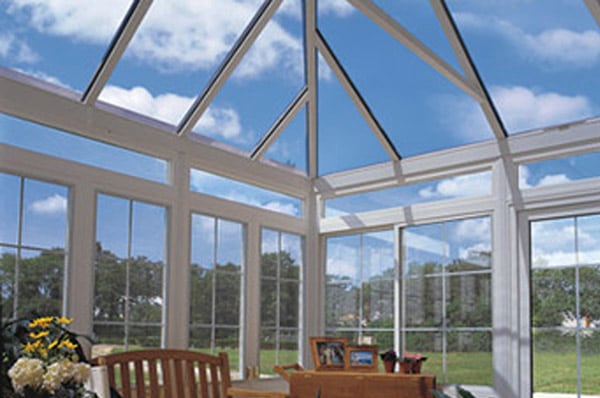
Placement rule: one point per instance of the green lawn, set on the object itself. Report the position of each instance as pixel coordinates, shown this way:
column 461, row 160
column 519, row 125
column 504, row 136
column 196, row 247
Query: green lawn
column 553, row 373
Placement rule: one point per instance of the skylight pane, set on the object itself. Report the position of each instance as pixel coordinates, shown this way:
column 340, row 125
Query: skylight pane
column 290, row 147
column 539, row 59
column 449, row 188
column 38, row 138
column 345, row 140
column 176, row 49
column 237, row 191
column 59, row 42
column 420, row 110
column 269, row 76
column 559, row 171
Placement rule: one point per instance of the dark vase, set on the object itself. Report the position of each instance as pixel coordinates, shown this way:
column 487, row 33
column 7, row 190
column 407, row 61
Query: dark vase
column 389, row 366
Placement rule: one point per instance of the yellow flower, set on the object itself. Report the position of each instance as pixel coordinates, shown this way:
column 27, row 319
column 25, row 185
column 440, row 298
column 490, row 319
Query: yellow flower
column 53, row 344
column 68, row 344
column 39, row 335
column 63, row 320
column 43, row 322
column 31, row 347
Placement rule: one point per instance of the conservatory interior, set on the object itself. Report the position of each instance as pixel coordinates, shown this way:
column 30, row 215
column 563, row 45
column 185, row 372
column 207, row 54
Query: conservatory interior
column 242, row 175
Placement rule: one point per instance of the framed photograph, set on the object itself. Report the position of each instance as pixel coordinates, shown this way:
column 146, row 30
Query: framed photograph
column 328, row 352
column 361, row 358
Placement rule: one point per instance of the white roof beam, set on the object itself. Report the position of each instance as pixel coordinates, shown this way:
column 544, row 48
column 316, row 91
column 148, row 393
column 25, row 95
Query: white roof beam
column 280, row 124
column 310, row 57
column 240, row 48
column 594, row 6
column 117, row 47
column 397, row 31
column 356, row 98
column 443, row 15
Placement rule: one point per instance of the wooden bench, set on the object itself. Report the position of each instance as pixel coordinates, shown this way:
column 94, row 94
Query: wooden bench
column 167, row 373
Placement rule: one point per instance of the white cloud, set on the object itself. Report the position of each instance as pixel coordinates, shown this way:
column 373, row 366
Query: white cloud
column 16, row 50
column 54, row 204
column 460, row 186
column 223, row 122
column 549, row 179
column 273, row 205
column 551, row 46
column 473, row 229
column 553, row 243
column 45, row 77
column 338, row 8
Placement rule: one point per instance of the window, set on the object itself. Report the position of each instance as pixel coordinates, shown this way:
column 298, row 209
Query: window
column 558, row 171
column 217, row 266
column 446, row 311
column 33, row 232
column 359, row 290
column 280, row 294
column 129, row 289
column 565, row 306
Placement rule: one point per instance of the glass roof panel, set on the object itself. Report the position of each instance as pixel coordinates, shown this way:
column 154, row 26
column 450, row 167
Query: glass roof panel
column 559, row 171
column 290, row 147
column 176, row 49
column 267, row 79
column 345, row 140
column 56, row 41
column 419, row 19
column 419, row 109
column 539, row 59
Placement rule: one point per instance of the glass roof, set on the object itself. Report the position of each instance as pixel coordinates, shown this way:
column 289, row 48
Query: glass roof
column 398, row 78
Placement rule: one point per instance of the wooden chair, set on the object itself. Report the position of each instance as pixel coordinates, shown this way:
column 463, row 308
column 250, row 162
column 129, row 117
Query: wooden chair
column 284, row 370
column 167, row 373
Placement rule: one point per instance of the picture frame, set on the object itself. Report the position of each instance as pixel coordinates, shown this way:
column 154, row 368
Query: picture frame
column 363, row 358
column 328, row 352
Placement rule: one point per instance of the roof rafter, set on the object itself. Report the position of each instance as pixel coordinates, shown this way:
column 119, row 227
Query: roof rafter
column 453, row 35
column 356, row 98
column 401, row 34
column 594, row 6
column 234, row 57
column 280, row 124
column 310, row 59
column 115, row 50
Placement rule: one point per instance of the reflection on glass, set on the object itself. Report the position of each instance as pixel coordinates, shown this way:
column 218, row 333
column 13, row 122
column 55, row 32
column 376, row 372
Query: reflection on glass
column 468, row 300
column 424, row 250
column 425, row 192
column 423, row 302
column 559, row 171
column 553, row 243
column 226, row 188
column 9, row 208
column 44, row 214
column 341, row 305
column 378, row 304
column 289, row 304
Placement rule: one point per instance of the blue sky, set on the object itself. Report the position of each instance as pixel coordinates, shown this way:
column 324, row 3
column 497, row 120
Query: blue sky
column 539, row 60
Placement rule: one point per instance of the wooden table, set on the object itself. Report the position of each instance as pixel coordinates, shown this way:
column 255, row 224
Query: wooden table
column 264, row 388
column 345, row 384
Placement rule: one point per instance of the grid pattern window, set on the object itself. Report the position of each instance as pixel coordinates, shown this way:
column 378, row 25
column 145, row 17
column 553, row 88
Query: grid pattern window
column 216, row 275
column 565, row 306
column 33, row 236
column 359, row 290
column 130, row 270
column 445, row 301
column 281, row 267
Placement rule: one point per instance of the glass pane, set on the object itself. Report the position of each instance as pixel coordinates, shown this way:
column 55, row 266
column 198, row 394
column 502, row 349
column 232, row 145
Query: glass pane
column 343, row 258
column 423, row 301
column 291, row 147
column 553, row 298
column 553, row 243
column 112, row 226
column 109, row 286
column 268, row 303
column 54, row 41
column 291, row 256
column 63, row 145
column 203, row 241
column 289, row 303
column 41, row 280
column 144, row 337
column 424, row 250
column 468, row 300
column 558, row 171
column 527, row 54
column 230, row 246
column 201, row 298
column 378, row 304
column 590, row 357
column 425, row 192
column 589, row 298
column 44, row 214
column 108, row 338
column 268, row 354
column 588, row 233
column 470, row 247
column 200, row 339
column 228, row 340
column 7, row 282
column 554, row 362
column 145, row 290
column 269, row 260
column 9, row 207
column 469, row 358
column 378, row 255
column 227, row 299
column 237, row 191
column 342, row 305
column 149, row 231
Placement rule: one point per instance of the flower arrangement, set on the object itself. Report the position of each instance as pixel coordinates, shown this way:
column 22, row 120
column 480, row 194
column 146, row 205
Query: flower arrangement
column 47, row 361
column 411, row 363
